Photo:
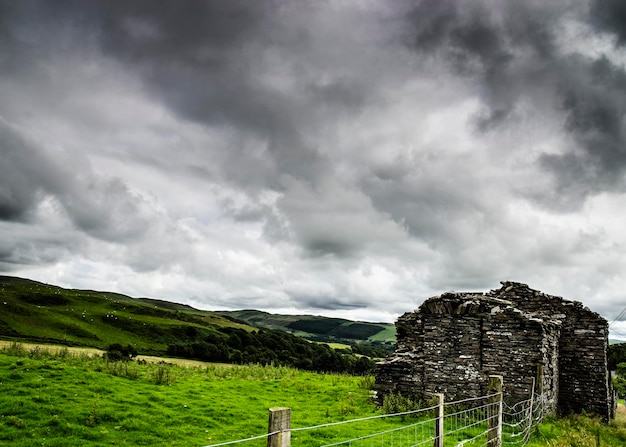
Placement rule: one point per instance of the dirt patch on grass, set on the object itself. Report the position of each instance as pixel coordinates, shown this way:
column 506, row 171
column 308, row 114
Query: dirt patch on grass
column 52, row 348
column 182, row 362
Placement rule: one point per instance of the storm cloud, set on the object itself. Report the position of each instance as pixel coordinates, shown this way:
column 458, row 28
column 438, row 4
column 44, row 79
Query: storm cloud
column 345, row 158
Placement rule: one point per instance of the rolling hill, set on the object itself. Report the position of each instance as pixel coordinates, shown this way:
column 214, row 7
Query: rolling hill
column 40, row 312
column 35, row 311
column 317, row 328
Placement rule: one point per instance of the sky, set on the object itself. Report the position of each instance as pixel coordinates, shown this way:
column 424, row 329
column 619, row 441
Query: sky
column 346, row 158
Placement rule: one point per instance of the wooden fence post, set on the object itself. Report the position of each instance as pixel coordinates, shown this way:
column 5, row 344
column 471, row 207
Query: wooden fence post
column 439, row 420
column 494, row 431
column 279, row 427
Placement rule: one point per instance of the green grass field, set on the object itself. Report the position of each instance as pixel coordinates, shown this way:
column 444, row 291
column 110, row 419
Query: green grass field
column 59, row 398
column 581, row 431
column 64, row 399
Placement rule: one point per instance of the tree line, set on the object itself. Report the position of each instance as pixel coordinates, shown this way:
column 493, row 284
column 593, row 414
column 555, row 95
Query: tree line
column 268, row 346
column 617, row 363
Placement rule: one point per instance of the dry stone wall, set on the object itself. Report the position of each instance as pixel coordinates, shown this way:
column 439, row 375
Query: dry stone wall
column 453, row 342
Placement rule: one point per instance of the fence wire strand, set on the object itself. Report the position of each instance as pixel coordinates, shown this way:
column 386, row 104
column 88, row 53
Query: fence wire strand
column 468, row 422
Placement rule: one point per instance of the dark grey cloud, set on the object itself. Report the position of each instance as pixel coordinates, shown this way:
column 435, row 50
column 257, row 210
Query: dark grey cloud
column 328, row 303
column 593, row 93
column 430, row 206
column 511, row 51
column 33, row 32
column 29, row 175
column 194, row 56
column 207, row 61
column 38, row 248
column 610, row 15
column 467, row 33
column 204, row 60
column 25, row 174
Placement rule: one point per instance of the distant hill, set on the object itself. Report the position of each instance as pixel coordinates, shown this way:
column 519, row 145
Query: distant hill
column 30, row 310
column 331, row 330
column 34, row 311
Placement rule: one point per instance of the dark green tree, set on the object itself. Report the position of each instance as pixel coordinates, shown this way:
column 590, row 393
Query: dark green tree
column 617, row 355
column 619, row 381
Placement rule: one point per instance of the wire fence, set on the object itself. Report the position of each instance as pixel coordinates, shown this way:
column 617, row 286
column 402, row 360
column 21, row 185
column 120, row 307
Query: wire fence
column 521, row 418
column 481, row 421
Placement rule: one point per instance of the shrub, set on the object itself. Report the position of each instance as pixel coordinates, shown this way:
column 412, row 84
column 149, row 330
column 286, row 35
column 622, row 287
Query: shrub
column 162, row 375
column 64, row 352
column 16, row 349
column 117, row 352
column 395, row 403
column 93, row 419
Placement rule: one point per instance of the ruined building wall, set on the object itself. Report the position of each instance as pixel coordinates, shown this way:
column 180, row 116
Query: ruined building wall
column 453, row 342
column 585, row 384
column 452, row 357
column 404, row 372
column 513, row 346
column 583, row 347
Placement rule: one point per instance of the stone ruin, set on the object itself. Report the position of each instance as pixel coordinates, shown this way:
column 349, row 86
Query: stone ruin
column 453, row 342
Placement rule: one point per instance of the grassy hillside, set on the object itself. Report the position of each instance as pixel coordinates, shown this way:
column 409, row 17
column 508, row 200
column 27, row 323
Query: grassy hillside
column 320, row 328
column 35, row 311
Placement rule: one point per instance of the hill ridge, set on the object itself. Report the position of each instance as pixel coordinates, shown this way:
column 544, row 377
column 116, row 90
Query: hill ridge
column 34, row 310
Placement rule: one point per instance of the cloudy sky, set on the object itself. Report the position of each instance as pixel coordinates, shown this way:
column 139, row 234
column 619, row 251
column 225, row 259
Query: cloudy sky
column 342, row 157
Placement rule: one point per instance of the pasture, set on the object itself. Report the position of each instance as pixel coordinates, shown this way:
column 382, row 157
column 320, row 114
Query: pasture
column 55, row 396
column 60, row 398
